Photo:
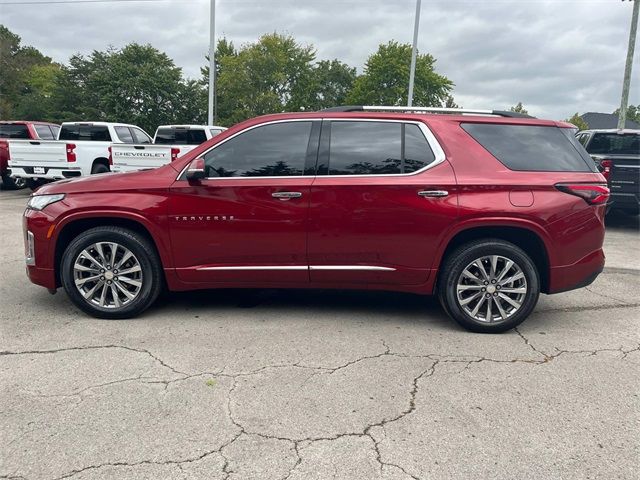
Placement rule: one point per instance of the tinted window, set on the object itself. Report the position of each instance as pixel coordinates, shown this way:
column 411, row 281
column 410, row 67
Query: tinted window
column 140, row 136
column 44, row 132
column 615, row 144
column 532, row 148
column 95, row 133
column 13, row 130
column 181, row 136
column 377, row 148
column 417, row 152
column 215, row 131
column 278, row 149
column 583, row 138
column 124, row 134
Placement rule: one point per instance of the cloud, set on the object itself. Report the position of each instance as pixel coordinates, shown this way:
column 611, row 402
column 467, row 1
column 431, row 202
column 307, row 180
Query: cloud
column 558, row 57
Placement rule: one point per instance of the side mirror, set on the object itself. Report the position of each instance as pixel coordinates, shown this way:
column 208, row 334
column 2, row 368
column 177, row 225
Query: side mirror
column 195, row 171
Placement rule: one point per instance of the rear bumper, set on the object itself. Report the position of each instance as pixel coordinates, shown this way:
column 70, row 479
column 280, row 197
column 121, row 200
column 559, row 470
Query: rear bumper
column 50, row 173
column 577, row 275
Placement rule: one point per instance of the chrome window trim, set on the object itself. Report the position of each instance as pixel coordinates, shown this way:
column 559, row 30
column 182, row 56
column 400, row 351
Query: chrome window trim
column 301, row 267
column 437, row 150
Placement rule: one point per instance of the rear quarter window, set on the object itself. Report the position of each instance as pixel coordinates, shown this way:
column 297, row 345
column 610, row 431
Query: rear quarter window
column 531, row 147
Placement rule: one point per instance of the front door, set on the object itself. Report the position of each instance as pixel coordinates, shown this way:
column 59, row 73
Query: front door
column 247, row 221
column 382, row 198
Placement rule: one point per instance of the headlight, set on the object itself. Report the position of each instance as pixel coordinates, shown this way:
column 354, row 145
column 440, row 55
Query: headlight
column 38, row 202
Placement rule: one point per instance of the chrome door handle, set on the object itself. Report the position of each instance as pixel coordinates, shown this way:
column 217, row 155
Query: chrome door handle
column 286, row 195
column 433, row 193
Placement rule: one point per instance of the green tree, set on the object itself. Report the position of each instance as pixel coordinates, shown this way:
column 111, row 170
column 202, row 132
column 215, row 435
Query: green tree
column 332, row 80
column 519, row 108
column 386, row 77
column 578, row 122
column 16, row 64
column 271, row 75
column 137, row 84
column 633, row 113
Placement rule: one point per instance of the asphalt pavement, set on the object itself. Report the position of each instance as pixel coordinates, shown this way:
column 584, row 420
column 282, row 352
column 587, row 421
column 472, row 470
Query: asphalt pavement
column 270, row 384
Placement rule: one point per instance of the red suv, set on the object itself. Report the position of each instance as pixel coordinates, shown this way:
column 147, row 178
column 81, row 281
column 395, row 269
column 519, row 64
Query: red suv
column 484, row 210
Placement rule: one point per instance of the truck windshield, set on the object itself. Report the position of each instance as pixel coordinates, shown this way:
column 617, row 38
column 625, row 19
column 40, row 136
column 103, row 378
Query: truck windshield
column 94, row 133
column 180, row 136
column 14, row 130
column 615, row 144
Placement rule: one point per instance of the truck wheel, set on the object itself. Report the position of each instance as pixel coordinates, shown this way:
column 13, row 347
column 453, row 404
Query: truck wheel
column 33, row 184
column 11, row 183
column 489, row 286
column 111, row 272
column 99, row 168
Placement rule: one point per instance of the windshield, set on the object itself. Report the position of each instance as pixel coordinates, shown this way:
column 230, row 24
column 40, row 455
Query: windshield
column 615, row 144
column 14, row 130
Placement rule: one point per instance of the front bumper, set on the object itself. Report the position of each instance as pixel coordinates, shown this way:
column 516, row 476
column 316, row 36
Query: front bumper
column 48, row 173
column 38, row 245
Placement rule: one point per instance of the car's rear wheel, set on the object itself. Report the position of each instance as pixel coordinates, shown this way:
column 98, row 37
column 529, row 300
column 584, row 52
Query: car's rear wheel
column 489, row 286
column 111, row 272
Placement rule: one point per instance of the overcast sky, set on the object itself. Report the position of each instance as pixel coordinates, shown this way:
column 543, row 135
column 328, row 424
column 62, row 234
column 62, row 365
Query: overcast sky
column 558, row 57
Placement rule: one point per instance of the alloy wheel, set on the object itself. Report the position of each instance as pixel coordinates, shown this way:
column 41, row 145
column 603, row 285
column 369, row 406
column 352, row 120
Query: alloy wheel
column 108, row 275
column 491, row 288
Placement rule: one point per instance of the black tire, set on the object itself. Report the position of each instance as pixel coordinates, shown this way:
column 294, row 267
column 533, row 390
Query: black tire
column 9, row 183
column 99, row 168
column 34, row 184
column 451, row 273
column 144, row 252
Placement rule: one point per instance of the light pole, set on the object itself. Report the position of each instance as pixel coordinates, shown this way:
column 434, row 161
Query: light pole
column 622, row 116
column 414, row 53
column 212, row 60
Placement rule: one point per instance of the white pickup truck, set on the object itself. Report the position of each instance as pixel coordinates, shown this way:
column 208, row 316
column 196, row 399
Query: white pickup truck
column 82, row 148
column 169, row 143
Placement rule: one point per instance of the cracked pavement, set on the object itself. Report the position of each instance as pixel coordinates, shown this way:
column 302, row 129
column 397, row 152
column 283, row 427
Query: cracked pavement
column 318, row 384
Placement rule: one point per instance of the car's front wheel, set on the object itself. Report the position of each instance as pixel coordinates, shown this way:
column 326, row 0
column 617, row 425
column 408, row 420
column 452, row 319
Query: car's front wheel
column 111, row 272
column 489, row 286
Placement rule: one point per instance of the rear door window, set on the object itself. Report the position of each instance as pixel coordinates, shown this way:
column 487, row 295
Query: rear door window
column 532, row 147
column 44, row 132
column 124, row 134
column 14, row 130
column 140, row 136
column 377, row 148
column 93, row 133
column 215, row 131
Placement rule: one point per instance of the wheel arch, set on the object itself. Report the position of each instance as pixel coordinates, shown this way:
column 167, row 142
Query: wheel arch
column 528, row 239
column 72, row 226
column 100, row 161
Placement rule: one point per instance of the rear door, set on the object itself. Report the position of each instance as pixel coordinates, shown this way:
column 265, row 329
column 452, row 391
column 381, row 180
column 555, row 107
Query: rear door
column 247, row 221
column 383, row 195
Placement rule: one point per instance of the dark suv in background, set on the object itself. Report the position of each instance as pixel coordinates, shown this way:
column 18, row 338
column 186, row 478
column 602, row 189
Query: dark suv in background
column 617, row 155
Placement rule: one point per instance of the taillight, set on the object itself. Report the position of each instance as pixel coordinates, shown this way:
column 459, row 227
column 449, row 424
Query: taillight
column 593, row 194
column 174, row 153
column 71, row 155
column 110, row 156
column 605, row 168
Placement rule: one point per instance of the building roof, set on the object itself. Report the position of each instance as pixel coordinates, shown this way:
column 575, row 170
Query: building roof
column 597, row 120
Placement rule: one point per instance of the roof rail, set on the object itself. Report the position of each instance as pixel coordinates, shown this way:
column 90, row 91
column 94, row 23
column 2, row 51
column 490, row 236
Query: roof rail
column 461, row 111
